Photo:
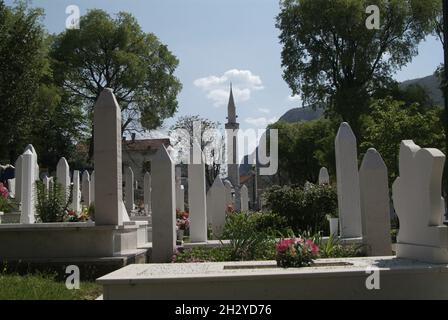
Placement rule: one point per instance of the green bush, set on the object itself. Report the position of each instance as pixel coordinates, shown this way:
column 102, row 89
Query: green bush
column 271, row 223
column 305, row 209
column 50, row 205
column 247, row 241
column 6, row 205
column 332, row 248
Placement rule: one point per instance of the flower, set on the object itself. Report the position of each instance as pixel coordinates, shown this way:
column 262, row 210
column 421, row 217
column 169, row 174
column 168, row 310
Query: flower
column 296, row 252
column 4, row 191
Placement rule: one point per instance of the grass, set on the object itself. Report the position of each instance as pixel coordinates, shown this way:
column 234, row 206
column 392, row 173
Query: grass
column 43, row 287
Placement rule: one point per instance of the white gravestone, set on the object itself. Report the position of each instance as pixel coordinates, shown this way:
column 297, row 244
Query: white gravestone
column 12, row 187
column 324, row 177
column 216, row 207
column 35, row 165
column 63, row 176
column 163, row 207
column 46, row 182
column 244, row 198
column 416, row 194
column 375, row 205
column 107, row 160
column 85, row 187
column 18, row 175
column 348, row 182
column 229, row 197
column 147, row 193
column 76, row 196
column 129, row 189
column 197, row 198
column 180, row 197
column 27, row 215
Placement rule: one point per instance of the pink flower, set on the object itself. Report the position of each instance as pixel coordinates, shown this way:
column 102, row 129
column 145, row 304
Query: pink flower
column 3, row 191
column 310, row 245
column 284, row 244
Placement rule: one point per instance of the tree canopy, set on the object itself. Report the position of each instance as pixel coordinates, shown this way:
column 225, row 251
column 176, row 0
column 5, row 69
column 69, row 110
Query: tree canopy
column 329, row 55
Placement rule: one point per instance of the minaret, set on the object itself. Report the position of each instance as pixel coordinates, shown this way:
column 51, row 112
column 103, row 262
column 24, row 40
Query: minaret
column 233, row 170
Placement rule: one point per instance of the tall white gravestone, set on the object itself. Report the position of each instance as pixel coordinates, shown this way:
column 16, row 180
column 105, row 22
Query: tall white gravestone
column 324, row 177
column 35, row 165
column 375, row 205
column 197, row 199
column 348, row 182
column 416, row 194
column 244, row 198
column 27, row 215
column 147, row 193
column 163, row 207
column 107, row 159
column 18, row 175
column 76, row 198
column 129, row 189
column 63, row 176
column 85, row 188
column 216, row 206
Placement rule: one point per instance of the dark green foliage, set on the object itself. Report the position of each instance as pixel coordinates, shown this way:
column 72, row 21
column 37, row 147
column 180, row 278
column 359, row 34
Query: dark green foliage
column 114, row 52
column 7, row 205
column 50, row 206
column 247, row 241
column 333, row 248
column 305, row 209
column 303, row 148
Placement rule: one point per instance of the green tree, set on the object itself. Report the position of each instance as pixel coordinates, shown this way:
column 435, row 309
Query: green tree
column 391, row 121
column 303, row 148
column 116, row 53
column 329, row 54
column 22, row 65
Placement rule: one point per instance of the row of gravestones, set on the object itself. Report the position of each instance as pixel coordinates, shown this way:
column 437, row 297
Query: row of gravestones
column 26, row 170
column 364, row 202
column 363, row 194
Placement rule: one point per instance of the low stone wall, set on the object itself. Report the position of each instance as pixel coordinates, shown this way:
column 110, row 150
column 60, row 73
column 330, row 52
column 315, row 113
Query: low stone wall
column 343, row 278
column 65, row 240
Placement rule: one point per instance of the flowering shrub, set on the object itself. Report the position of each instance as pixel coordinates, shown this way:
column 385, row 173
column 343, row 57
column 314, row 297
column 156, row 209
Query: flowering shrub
column 72, row 216
column 182, row 220
column 296, row 252
column 4, row 193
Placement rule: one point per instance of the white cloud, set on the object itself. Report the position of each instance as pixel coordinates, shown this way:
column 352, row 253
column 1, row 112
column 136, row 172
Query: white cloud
column 260, row 122
column 264, row 110
column 217, row 87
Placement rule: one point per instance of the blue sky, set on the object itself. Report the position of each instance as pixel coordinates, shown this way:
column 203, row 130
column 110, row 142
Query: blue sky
column 220, row 41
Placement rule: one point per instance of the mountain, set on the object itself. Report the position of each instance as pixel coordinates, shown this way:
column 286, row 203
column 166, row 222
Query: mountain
column 431, row 85
column 302, row 114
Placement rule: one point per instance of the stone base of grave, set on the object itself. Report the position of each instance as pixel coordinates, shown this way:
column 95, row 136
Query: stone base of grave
column 422, row 253
column 68, row 240
column 343, row 278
